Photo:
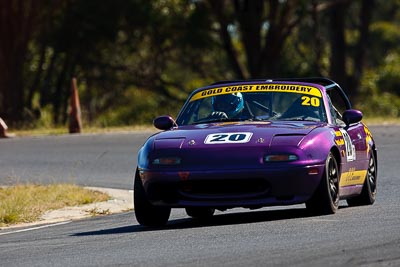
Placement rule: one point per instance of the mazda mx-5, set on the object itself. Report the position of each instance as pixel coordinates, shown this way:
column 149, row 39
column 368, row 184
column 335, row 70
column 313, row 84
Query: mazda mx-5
column 253, row 144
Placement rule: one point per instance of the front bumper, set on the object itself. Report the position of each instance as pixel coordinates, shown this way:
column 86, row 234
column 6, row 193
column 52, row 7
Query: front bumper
column 249, row 188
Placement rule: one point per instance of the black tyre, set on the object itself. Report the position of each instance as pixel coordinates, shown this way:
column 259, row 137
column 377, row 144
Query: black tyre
column 326, row 197
column 200, row 212
column 368, row 193
column 146, row 213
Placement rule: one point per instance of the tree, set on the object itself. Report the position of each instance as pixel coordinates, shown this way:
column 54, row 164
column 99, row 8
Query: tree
column 135, row 59
column 17, row 25
column 261, row 27
column 342, row 53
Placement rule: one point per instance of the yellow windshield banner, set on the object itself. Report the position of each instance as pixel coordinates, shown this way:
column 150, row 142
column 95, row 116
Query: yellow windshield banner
column 251, row 88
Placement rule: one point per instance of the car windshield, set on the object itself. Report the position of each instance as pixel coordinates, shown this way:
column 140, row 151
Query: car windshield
column 254, row 103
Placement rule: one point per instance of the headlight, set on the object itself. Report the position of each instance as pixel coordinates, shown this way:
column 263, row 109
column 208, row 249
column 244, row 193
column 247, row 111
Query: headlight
column 280, row 157
column 167, row 161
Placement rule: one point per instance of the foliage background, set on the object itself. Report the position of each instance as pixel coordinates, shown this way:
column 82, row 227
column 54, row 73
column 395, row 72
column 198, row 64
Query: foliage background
column 137, row 59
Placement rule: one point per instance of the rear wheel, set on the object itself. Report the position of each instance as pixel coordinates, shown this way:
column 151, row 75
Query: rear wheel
column 368, row 193
column 146, row 213
column 200, row 212
column 326, row 197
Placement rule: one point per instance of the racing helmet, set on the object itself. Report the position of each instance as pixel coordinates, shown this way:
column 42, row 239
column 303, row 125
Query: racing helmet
column 231, row 104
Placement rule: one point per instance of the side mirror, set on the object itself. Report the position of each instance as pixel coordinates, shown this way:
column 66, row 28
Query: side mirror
column 164, row 122
column 352, row 116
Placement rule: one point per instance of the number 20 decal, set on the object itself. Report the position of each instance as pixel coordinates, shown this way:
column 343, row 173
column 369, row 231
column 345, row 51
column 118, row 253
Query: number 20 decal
column 310, row 101
column 226, row 138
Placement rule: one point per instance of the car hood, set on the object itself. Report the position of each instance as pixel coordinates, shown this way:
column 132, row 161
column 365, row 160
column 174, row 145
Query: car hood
column 261, row 132
column 228, row 145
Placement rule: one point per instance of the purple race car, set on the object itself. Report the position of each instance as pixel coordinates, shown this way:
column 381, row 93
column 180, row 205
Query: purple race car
column 257, row 143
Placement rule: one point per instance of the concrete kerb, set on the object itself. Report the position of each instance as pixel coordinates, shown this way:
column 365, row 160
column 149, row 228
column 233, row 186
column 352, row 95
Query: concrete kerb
column 121, row 201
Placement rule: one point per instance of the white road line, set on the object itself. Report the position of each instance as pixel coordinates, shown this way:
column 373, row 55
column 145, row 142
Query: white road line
column 34, row 228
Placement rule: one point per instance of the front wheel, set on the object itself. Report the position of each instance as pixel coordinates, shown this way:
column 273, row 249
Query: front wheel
column 326, row 197
column 368, row 193
column 146, row 213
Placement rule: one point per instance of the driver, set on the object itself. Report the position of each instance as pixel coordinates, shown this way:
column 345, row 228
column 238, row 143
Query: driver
column 227, row 106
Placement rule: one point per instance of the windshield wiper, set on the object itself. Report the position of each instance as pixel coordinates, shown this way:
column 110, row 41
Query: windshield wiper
column 299, row 119
column 222, row 120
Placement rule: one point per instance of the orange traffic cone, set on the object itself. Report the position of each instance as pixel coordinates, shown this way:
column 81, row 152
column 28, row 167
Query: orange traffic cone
column 3, row 129
column 75, row 122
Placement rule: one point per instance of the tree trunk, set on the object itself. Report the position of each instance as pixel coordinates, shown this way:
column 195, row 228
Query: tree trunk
column 249, row 15
column 46, row 90
column 218, row 8
column 361, row 48
column 317, row 42
column 36, row 82
column 60, row 90
column 282, row 19
column 17, row 19
column 338, row 44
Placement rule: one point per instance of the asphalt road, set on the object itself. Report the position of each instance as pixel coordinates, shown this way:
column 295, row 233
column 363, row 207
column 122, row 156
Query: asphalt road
column 103, row 160
column 282, row 236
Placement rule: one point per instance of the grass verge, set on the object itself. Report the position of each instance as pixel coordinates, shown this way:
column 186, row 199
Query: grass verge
column 382, row 121
column 85, row 130
column 25, row 203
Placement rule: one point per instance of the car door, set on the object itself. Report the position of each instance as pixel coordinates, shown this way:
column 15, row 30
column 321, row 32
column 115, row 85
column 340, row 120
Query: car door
column 353, row 140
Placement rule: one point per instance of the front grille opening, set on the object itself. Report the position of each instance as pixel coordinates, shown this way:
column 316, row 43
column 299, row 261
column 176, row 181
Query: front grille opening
column 223, row 187
column 285, row 198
